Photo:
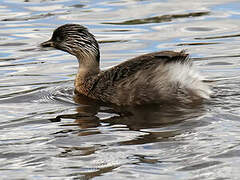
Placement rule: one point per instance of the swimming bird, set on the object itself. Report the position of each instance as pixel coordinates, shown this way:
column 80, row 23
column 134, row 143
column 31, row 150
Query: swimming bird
column 157, row 77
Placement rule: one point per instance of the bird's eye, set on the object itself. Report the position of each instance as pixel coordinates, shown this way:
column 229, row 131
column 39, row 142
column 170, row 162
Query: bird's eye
column 58, row 39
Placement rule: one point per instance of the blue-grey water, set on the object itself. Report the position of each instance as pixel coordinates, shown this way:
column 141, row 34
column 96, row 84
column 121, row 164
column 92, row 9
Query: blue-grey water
column 48, row 133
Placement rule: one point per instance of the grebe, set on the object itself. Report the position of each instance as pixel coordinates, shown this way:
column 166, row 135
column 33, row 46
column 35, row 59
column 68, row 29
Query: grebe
column 158, row 77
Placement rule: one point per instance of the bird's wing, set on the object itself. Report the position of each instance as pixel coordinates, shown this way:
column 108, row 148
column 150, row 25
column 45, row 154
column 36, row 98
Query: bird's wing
column 143, row 62
column 128, row 68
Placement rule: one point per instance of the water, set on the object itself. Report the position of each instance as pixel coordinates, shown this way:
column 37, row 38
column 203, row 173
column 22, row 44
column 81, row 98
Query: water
column 47, row 133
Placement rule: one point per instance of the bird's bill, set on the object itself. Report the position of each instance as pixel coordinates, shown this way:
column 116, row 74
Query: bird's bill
column 48, row 43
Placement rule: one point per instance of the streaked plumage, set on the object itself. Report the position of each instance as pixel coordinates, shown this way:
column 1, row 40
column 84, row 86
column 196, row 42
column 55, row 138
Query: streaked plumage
column 159, row 77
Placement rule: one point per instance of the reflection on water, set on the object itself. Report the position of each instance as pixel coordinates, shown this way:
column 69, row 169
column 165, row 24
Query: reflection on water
column 135, row 118
column 48, row 133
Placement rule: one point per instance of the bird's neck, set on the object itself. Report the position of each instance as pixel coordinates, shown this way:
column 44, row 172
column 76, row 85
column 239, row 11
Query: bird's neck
column 88, row 69
column 88, row 64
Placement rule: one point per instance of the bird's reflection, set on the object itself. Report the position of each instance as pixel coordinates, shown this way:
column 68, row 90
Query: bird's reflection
column 157, row 125
column 134, row 118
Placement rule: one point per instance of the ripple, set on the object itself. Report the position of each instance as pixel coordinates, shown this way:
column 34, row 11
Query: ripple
column 200, row 29
column 160, row 19
column 197, row 44
column 32, row 17
column 219, row 37
column 229, row 154
column 78, row 5
column 13, row 44
column 200, row 166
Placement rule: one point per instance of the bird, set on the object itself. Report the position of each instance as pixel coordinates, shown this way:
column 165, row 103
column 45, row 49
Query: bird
column 163, row 77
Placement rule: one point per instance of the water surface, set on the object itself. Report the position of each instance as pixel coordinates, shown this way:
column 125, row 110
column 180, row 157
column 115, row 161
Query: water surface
column 48, row 133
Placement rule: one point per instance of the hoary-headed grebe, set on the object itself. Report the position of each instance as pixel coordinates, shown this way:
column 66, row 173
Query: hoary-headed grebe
column 158, row 77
